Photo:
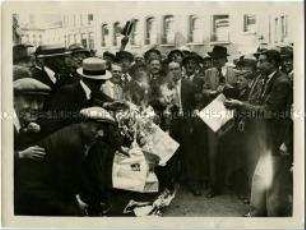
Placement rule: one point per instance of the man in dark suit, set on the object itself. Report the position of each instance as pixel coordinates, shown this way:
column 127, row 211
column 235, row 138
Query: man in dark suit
column 271, row 184
column 69, row 170
column 65, row 105
column 51, row 66
column 179, row 92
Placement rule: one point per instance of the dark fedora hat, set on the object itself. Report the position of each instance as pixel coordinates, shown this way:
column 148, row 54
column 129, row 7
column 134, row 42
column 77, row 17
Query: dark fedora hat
column 172, row 52
column 286, row 52
column 78, row 48
column 259, row 51
column 192, row 56
column 218, row 51
column 109, row 56
column 121, row 55
column 152, row 50
column 51, row 51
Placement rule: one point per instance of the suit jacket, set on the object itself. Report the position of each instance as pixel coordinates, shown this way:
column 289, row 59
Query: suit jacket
column 56, row 179
column 274, row 110
column 212, row 81
column 64, row 106
column 188, row 93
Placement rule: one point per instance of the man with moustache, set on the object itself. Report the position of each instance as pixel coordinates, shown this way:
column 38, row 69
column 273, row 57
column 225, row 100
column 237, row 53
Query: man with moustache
column 272, row 182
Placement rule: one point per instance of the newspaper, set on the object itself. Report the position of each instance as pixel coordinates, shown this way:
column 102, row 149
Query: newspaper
column 159, row 143
column 216, row 115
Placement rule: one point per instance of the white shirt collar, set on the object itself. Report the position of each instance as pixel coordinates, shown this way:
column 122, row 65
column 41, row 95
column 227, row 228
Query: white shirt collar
column 86, row 90
column 271, row 75
column 16, row 122
column 50, row 73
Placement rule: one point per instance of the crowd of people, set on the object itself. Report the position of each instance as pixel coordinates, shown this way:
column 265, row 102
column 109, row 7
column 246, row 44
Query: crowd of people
column 63, row 156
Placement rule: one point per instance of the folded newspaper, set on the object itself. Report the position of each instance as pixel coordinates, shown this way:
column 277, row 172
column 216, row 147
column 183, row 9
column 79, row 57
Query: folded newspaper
column 216, row 115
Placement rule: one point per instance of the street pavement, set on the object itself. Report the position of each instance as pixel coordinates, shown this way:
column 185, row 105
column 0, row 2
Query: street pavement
column 188, row 205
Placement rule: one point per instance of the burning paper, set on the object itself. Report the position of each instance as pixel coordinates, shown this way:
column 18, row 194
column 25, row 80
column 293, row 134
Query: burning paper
column 159, row 143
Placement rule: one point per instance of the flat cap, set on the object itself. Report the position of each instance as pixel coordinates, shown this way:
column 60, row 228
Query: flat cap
column 30, row 86
column 98, row 114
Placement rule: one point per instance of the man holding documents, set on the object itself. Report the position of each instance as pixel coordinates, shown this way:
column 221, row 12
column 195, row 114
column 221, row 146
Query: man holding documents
column 216, row 79
column 272, row 178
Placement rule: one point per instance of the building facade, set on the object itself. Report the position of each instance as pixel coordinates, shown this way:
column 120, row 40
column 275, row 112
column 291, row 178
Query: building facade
column 65, row 29
column 240, row 32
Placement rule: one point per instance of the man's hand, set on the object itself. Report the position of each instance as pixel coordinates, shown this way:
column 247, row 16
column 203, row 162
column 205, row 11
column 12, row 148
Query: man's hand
column 232, row 104
column 33, row 152
column 33, row 127
column 124, row 42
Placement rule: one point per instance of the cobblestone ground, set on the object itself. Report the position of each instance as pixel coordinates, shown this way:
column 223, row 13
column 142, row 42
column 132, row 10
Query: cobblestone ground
column 225, row 205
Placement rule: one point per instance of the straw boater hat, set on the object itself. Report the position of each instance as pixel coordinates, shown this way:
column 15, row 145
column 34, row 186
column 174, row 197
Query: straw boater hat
column 94, row 68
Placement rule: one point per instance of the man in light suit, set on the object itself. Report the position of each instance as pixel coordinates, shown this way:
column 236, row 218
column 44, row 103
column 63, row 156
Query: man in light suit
column 215, row 80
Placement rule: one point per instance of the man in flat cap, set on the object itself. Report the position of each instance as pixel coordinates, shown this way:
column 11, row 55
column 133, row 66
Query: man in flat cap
column 29, row 98
column 49, row 187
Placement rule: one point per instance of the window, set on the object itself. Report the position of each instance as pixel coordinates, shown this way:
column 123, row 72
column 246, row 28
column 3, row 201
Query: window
column 135, row 34
column 220, row 28
column 70, row 37
column 151, row 31
column 84, row 40
column 284, row 27
column 195, row 32
column 168, row 30
column 81, row 19
column 34, row 40
column 116, row 34
column 74, row 20
column 249, row 23
column 104, row 35
column 276, row 30
column 40, row 40
column 90, row 19
column 91, row 41
column 75, row 38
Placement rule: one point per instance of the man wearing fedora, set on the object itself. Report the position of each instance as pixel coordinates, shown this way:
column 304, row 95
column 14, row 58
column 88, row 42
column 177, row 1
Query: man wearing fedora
column 70, row 99
column 50, row 66
column 215, row 80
